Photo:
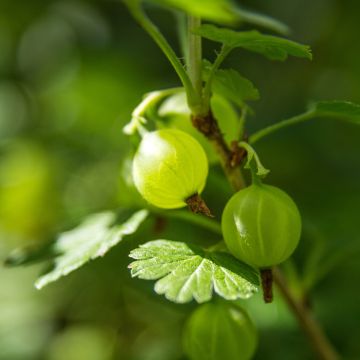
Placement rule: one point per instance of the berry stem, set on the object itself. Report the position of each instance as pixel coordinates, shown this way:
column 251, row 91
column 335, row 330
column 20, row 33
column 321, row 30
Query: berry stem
column 194, row 60
column 203, row 120
column 280, row 125
column 208, row 126
column 310, row 326
column 267, row 284
column 198, row 206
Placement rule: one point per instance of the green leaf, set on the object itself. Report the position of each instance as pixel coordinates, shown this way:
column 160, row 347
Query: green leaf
column 174, row 105
column 227, row 117
column 230, row 84
column 222, row 11
column 262, row 20
column 272, row 47
column 30, row 255
column 93, row 238
column 337, row 109
column 187, row 272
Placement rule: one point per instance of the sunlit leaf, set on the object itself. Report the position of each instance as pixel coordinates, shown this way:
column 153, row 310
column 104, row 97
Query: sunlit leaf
column 272, row 47
column 185, row 272
column 93, row 238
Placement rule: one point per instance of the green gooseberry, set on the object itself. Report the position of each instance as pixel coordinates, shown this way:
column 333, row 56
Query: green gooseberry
column 169, row 167
column 261, row 225
column 219, row 331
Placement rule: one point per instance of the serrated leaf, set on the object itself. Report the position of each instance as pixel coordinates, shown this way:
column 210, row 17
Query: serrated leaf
column 222, row 11
column 338, row 109
column 272, row 47
column 93, row 238
column 233, row 86
column 185, row 272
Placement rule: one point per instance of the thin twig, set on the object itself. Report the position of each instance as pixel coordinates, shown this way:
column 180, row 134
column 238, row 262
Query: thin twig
column 310, row 326
column 280, row 125
column 194, row 64
column 209, row 127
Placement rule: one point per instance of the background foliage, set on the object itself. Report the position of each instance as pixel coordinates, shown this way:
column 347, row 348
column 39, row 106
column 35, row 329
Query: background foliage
column 70, row 74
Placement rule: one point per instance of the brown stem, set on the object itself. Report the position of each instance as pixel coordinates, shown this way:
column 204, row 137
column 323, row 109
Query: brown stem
column 267, row 283
column 198, row 206
column 321, row 345
column 310, row 326
column 238, row 154
column 209, row 127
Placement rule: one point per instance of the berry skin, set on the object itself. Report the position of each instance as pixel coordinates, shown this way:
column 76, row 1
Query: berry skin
column 169, row 167
column 261, row 225
column 219, row 331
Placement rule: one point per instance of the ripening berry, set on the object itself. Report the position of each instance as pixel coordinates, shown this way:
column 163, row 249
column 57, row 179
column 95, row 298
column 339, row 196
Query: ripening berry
column 220, row 331
column 261, row 225
column 169, row 167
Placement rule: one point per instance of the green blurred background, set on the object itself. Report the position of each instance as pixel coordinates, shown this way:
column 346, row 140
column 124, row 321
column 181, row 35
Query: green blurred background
column 70, row 74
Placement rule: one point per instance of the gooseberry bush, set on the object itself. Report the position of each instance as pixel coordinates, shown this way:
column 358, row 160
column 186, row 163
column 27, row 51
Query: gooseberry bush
column 181, row 134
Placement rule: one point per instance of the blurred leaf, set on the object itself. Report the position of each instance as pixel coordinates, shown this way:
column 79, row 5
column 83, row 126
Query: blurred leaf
column 93, row 238
column 227, row 117
column 29, row 255
column 175, row 105
column 29, row 204
column 328, row 262
column 233, row 86
column 338, row 109
column 262, row 20
column 188, row 272
column 272, row 47
column 222, row 11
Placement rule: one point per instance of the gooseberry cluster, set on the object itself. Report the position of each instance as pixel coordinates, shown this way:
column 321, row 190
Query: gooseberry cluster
column 261, row 226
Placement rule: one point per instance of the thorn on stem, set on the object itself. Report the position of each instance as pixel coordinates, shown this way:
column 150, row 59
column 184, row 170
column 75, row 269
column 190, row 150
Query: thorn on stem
column 198, row 206
column 267, row 282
